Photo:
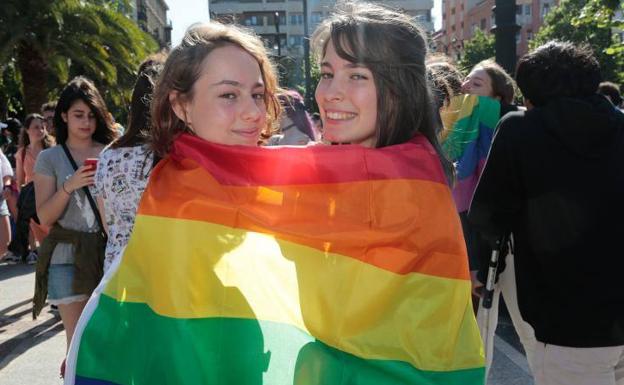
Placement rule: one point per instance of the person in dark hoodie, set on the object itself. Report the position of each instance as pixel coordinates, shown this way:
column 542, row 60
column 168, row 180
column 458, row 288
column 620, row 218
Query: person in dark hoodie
column 555, row 179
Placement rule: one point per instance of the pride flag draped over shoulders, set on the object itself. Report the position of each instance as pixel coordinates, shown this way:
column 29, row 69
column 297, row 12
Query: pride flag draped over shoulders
column 469, row 123
column 329, row 265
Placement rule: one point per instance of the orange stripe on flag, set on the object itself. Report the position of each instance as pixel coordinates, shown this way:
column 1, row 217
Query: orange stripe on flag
column 340, row 218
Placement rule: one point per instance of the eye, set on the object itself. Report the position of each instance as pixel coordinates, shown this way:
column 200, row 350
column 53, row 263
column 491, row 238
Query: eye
column 358, row 77
column 258, row 96
column 326, row 75
column 228, row 95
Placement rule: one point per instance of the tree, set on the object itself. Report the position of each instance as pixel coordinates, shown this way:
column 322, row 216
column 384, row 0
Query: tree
column 477, row 49
column 591, row 22
column 52, row 41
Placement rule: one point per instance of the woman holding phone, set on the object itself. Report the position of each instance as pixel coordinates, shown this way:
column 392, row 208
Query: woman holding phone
column 71, row 257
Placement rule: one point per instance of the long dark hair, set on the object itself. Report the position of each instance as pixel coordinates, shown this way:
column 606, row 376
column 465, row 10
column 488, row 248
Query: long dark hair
column 24, row 140
column 393, row 48
column 139, row 122
column 83, row 89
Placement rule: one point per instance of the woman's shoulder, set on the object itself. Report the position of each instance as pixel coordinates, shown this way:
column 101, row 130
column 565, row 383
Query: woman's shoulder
column 51, row 153
column 110, row 153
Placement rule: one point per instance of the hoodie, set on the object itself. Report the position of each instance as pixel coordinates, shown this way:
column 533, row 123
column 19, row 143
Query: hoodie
column 555, row 179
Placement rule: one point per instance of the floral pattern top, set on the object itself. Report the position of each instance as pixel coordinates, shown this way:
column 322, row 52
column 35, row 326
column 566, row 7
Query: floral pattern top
column 120, row 180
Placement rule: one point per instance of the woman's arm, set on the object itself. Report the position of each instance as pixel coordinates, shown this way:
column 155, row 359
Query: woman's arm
column 50, row 202
column 19, row 168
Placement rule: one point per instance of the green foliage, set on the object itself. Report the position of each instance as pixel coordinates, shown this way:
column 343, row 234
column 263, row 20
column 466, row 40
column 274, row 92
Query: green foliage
column 315, row 76
column 11, row 103
column 591, row 22
column 53, row 41
column 477, row 49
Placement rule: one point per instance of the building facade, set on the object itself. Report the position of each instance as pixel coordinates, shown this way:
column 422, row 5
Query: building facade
column 151, row 16
column 461, row 18
column 266, row 17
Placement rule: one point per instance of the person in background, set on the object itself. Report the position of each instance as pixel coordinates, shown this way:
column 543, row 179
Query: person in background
column 296, row 128
column 488, row 78
column 47, row 111
column 33, row 140
column 317, row 122
column 71, row 258
column 125, row 165
column 612, row 92
column 554, row 178
column 10, row 138
column 6, row 176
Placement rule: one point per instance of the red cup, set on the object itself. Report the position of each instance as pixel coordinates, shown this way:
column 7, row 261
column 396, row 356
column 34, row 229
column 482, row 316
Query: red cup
column 92, row 163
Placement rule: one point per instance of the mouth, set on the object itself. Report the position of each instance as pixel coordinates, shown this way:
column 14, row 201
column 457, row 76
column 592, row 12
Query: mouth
column 248, row 132
column 338, row 116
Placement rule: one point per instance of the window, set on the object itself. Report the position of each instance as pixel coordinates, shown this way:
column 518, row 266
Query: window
column 545, row 9
column 518, row 37
column 483, row 24
column 527, row 9
column 529, row 35
column 453, row 28
column 518, row 10
column 252, row 20
column 453, row 11
column 296, row 18
column 295, row 40
column 316, row 17
column 462, row 25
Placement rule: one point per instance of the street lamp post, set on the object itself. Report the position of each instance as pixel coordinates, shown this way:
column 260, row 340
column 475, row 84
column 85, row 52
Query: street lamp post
column 306, row 57
column 505, row 33
column 277, row 35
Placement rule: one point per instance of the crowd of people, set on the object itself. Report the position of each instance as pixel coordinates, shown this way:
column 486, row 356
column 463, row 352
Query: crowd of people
column 549, row 173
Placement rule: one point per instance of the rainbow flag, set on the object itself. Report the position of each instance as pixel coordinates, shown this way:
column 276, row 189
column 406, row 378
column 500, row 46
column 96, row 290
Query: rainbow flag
column 469, row 123
column 319, row 265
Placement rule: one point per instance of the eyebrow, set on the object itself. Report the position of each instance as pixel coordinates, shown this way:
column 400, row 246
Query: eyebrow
column 348, row 65
column 235, row 84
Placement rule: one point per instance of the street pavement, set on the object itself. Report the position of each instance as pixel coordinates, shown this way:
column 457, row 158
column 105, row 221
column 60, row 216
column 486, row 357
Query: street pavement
column 31, row 351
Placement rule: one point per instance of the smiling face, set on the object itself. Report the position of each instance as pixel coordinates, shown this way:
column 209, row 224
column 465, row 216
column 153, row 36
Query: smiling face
column 36, row 130
column 227, row 104
column 81, row 121
column 347, row 99
column 478, row 82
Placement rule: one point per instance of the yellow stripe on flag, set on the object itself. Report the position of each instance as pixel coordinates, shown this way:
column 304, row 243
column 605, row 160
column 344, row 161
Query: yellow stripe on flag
column 192, row 269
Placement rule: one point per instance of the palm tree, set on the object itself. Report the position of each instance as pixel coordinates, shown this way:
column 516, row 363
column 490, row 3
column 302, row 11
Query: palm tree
column 50, row 41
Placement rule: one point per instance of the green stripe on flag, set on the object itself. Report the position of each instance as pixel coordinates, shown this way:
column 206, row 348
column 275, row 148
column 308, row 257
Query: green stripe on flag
column 144, row 348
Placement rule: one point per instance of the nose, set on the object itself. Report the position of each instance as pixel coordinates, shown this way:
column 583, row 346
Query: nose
column 253, row 109
column 466, row 86
column 333, row 91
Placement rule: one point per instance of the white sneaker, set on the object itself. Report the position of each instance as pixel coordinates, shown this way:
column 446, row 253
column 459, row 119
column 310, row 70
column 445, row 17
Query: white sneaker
column 11, row 258
column 31, row 259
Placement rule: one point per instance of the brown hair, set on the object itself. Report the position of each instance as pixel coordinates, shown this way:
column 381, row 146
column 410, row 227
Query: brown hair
column 139, row 121
column 83, row 89
column 48, row 106
column 393, row 48
column 503, row 85
column 183, row 68
column 24, row 140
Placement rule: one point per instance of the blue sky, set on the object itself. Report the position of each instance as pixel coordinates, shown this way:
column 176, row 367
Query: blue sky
column 183, row 13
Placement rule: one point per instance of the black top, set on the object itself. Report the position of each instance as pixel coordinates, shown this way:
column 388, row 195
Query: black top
column 555, row 179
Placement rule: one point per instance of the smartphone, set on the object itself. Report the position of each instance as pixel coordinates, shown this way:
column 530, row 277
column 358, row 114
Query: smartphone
column 92, row 163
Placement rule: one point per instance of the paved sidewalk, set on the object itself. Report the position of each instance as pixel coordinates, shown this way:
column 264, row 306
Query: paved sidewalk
column 31, row 351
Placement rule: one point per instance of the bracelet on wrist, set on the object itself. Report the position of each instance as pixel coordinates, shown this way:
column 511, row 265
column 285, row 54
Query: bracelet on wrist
column 64, row 189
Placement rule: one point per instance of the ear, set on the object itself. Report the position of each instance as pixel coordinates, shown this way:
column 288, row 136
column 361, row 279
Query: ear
column 179, row 106
column 64, row 116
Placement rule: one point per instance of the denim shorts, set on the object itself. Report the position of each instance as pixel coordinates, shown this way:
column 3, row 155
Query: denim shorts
column 4, row 209
column 60, row 285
